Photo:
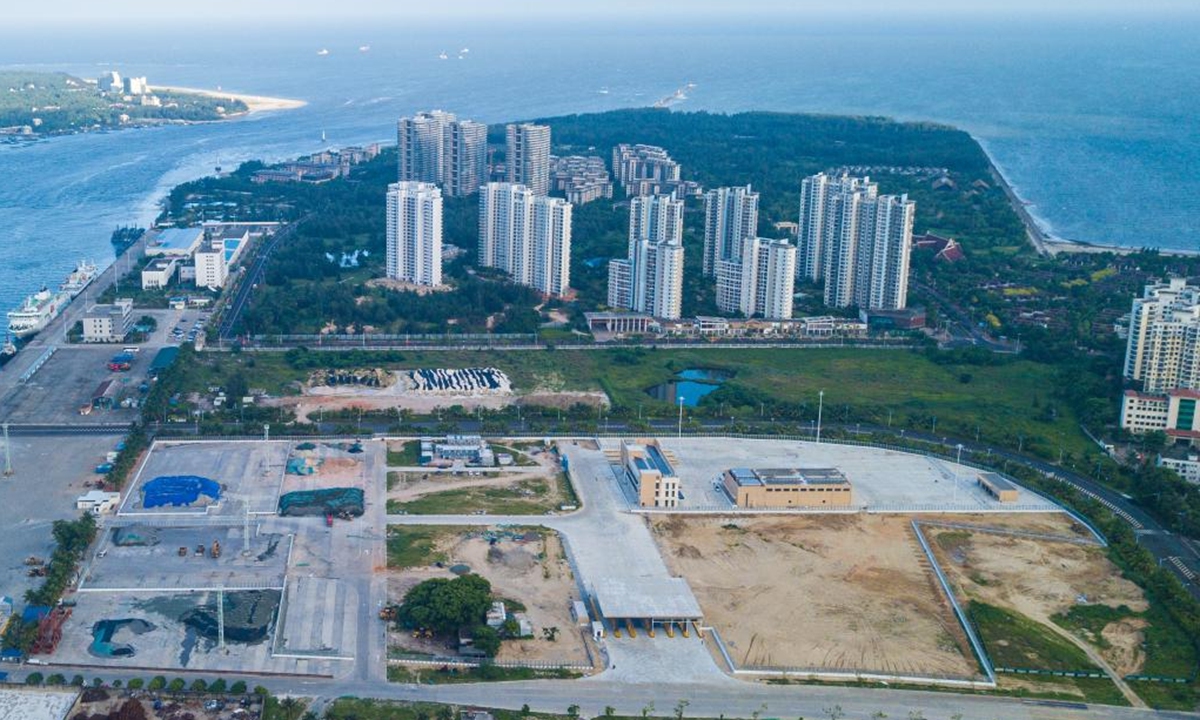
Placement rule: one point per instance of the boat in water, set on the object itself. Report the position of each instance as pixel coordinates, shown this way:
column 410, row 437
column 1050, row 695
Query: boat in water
column 322, row 52
column 124, row 237
column 36, row 311
column 82, row 276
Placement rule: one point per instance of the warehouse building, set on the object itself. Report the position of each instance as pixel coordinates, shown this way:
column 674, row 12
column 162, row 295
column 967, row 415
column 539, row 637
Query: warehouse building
column 782, row 488
column 647, row 469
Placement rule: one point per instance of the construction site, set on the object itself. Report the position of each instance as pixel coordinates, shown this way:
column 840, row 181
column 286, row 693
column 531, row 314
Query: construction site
column 527, row 568
column 240, row 556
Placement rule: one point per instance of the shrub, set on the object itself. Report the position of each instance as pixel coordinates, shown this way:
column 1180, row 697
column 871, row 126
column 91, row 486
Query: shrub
column 33, row 678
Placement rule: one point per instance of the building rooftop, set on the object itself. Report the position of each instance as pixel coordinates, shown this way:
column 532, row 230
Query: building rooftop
column 36, row 704
column 998, row 482
column 788, row 476
column 177, row 239
column 646, row 599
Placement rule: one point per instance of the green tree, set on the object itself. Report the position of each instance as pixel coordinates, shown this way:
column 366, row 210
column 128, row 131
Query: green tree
column 487, row 640
column 198, row 685
column 56, row 679
column 158, row 682
column 136, row 683
column 238, row 688
column 176, row 685
column 217, row 686
column 446, row 605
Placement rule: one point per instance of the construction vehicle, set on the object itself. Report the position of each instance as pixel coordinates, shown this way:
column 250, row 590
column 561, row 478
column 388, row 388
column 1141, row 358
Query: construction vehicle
column 34, row 560
column 182, row 551
column 388, row 613
column 200, row 549
column 216, row 549
column 37, row 571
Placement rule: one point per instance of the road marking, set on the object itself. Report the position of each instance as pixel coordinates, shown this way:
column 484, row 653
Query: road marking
column 1183, row 569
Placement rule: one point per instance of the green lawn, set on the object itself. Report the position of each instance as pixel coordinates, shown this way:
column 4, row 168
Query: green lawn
column 404, row 455
column 528, row 497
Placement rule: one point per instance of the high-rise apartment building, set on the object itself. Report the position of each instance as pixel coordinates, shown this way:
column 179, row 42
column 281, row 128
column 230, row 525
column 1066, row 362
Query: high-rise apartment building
column 730, row 216
column 760, row 281
column 414, row 233
column 527, row 158
column 856, row 240
column 526, row 236
column 1163, row 350
column 436, row 147
column 650, row 279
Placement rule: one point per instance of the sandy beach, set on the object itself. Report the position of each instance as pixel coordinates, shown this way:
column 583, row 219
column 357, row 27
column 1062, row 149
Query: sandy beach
column 256, row 103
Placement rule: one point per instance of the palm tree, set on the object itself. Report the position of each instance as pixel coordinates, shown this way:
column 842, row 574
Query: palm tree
column 291, row 708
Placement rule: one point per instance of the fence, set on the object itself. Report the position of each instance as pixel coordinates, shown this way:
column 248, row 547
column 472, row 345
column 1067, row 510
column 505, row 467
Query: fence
column 1052, row 673
column 1012, row 533
column 849, row 674
column 976, row 643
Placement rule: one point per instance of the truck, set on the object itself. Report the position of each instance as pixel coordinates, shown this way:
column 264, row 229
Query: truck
column 121, row 362
column 104, row 468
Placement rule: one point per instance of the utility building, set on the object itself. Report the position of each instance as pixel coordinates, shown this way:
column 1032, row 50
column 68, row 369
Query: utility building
column 651, row 475
column 782, row 488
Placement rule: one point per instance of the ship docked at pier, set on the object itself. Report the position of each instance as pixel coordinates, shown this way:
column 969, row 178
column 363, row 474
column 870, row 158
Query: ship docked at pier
column 36, row 311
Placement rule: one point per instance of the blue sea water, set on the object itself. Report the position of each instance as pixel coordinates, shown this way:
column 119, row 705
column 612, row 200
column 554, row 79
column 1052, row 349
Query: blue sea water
column 1094, row 123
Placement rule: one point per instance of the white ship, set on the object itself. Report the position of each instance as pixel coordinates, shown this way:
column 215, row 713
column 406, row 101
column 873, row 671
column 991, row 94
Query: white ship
column 82, row 276
column 36, row 312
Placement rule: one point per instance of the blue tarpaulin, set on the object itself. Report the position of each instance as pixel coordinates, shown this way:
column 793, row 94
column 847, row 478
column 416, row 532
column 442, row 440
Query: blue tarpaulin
column 178, row 490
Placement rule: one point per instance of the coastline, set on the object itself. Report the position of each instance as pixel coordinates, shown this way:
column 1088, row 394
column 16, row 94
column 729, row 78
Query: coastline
column 1045, row 243
column 255, row 103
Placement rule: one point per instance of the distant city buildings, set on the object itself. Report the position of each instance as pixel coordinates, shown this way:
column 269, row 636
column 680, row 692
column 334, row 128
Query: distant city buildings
column 203, row 255
column 414, row 233
column 136, row 86
column 730, row 216
column 760, row 282
column 1163, row 349
column 527, row 159
column 645, row 170
column 319, row 168
column 582, row 179
column 856, row 240
column 526, row 236
column 436, row 147
column 650, row 279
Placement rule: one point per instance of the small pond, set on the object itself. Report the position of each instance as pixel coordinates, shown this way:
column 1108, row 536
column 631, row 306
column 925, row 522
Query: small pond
column 692, row 385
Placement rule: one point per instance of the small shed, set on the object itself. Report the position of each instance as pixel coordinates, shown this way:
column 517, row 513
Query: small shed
column 998, row 486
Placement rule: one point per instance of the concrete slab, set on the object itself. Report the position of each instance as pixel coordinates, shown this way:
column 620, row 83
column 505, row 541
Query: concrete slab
column 882, row 480
column 36, row 703
column 250, row 474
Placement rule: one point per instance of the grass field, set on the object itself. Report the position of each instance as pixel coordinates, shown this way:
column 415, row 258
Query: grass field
column 1011, row 403
column 528, row 497
column 416, row 546
column 1013, row 640
column 487, row 673
column 406, row 454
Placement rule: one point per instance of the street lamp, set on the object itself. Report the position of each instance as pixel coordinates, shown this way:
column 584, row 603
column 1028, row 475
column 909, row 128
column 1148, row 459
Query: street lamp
column 957, row 464
column 681, row 417
column 820, row 407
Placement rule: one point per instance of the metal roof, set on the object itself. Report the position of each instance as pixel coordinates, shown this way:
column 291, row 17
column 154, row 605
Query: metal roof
column 998, row 482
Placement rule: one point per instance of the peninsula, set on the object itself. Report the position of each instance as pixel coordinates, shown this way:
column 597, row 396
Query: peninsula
column 40, row 104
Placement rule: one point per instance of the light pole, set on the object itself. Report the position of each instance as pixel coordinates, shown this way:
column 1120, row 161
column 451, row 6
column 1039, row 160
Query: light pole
column 681, row 417
column 957, row 464
column 820, row 408
column 7, row 453
column 266, row 432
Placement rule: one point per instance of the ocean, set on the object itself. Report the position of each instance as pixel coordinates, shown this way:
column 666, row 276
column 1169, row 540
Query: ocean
column 1094, row 123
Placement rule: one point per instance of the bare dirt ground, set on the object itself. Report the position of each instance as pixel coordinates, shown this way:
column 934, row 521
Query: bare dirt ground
column 844, row 592
column 534, row 573
column 1039, row 578
column 334, row 467
column 308, row 406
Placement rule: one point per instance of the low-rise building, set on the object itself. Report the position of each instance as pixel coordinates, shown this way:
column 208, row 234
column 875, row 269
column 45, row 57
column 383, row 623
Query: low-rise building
column 647, row 469
column 108, row 323
column 582, row 179
column 178, row 242
column 159, row 273
column 1187, row 465
column 466, row 449
column 783, row 488
column 98, row 502
column 1173, row 413
column 998, row 487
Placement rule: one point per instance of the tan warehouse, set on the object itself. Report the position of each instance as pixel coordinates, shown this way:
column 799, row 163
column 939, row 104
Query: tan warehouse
column 781, row 488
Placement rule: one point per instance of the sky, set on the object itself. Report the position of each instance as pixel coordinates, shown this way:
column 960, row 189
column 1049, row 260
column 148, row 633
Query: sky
column 132, row 12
